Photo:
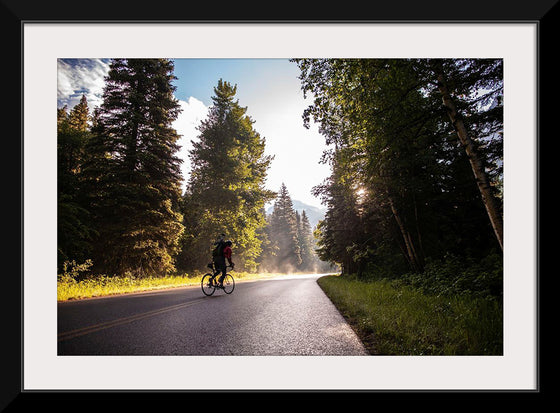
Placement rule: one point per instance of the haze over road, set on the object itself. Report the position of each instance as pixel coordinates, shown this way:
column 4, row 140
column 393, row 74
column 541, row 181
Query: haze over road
column 284, row 316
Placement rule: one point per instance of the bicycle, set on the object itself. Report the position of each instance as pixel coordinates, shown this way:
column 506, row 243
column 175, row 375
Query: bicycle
column 210, row 284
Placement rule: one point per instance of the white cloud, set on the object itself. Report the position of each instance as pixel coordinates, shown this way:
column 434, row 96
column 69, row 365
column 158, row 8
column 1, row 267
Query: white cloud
column 186, row 124
column 81, row 76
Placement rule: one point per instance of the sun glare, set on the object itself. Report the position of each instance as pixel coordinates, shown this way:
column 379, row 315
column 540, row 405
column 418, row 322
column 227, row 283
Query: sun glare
column 360, row 193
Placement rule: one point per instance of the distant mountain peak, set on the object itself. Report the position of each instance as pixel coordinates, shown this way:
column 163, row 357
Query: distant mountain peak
column 314, row 214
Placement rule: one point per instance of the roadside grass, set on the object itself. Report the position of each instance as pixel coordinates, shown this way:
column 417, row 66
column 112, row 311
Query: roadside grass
column 69, row 288
column 395, row 319
column 74, row 288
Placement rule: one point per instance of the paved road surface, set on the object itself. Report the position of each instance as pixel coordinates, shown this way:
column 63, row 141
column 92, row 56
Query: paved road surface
column 288, row 316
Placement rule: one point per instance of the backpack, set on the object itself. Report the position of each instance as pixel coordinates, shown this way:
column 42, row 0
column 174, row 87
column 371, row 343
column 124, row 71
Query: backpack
column 218, row 251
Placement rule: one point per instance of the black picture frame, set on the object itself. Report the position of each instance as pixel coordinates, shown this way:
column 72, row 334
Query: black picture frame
column 14, row 13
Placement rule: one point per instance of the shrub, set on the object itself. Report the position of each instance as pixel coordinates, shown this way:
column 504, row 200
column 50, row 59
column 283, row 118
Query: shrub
column 73, row 271
column 455, row 275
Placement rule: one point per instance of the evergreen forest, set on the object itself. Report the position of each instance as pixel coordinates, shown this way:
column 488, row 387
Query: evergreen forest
column 121, row 209
column 414, row 194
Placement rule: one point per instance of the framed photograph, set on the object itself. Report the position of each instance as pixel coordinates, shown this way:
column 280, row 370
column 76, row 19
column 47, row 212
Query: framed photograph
column 59, row 57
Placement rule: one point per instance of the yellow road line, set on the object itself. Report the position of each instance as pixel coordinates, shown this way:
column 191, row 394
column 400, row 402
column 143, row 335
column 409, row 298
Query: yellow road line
column 108, row 324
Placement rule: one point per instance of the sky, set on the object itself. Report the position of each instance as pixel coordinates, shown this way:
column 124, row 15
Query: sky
column 268, row 88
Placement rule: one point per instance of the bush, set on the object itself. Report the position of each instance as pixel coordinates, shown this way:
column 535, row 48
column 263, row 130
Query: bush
column 74, row 271
column 455, row 275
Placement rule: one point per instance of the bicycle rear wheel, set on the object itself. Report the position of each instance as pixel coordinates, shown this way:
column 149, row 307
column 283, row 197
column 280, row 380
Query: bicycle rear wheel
column 207, row 284
column 229, row 284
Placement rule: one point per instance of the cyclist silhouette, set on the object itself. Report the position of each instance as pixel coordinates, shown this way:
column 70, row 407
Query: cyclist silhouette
column 221, row 253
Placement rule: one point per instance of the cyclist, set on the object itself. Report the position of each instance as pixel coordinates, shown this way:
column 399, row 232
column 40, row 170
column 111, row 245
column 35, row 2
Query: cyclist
column 226, row 256
column 222, row 251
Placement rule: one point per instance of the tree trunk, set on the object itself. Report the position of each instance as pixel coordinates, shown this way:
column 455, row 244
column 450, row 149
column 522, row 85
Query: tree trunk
column 476, row 163
column 411, row 252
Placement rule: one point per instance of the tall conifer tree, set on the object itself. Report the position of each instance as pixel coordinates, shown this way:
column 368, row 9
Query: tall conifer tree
column 225, row 192
column 133, row 171
column 284, row 233
column 305, row 238
column 73, row 228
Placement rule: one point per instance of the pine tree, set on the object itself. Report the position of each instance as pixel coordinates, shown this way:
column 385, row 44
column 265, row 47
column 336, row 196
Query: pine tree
column 225, row 192
column 73, row 227
column 78, row 118
column 284, row 233
column 133, row 173
column 305, row 238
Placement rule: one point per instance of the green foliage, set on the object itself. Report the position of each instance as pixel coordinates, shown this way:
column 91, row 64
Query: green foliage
column 400, row 183
column 72, row 271
column 455, row 275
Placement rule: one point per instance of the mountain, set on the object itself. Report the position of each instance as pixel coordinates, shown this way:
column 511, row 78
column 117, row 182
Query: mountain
column 313, row 213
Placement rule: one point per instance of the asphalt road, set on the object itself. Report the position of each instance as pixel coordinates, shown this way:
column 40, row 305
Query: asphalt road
column 279, row 317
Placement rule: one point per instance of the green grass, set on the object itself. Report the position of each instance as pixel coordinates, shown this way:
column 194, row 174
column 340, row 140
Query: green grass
column 68, row 288
column 398, row 320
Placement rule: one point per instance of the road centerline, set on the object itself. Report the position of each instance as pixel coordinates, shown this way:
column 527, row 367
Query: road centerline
column 123, row 320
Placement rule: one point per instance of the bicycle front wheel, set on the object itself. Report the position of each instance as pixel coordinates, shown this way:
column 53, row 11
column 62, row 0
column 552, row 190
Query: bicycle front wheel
column 229, row 284
column 207, row 284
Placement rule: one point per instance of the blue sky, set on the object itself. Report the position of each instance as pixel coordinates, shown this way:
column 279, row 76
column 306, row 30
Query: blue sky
column 198, row 77
column 270, row 90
